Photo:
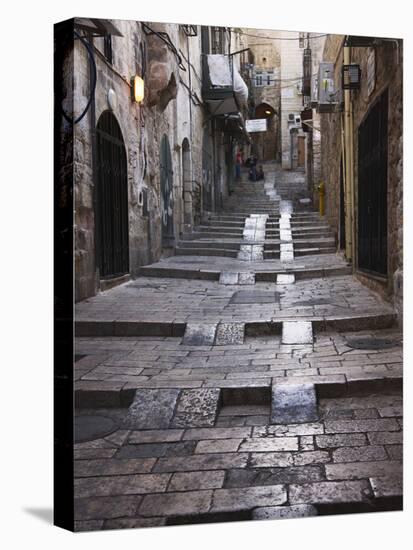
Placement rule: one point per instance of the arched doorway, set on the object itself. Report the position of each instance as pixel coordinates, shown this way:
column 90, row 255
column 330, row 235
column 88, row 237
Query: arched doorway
column 266, row 142
column 112, row 198
column 167, row 201
column 186, row 182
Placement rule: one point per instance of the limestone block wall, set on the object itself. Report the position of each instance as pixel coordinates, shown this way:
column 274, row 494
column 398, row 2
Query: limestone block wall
column 389, row 59
column 291, row 99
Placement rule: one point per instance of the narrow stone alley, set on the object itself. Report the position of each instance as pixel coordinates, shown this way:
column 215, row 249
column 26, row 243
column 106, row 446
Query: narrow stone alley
column 248, row 376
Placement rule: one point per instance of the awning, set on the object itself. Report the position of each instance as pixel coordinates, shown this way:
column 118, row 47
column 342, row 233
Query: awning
column 224, row 90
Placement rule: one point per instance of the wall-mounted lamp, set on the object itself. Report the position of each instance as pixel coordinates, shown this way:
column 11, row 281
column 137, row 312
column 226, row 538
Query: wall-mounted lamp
column 138, row 89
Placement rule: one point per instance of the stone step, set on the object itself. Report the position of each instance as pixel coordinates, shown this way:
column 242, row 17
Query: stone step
column 312, row 251
column 228, row 245
column 202, row 251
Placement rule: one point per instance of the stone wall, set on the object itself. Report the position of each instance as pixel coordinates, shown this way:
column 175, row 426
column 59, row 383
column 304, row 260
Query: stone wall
column 389, row 58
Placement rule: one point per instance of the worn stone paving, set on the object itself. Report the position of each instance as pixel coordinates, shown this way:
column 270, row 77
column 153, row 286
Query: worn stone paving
column 176, row 300
column 236, row 398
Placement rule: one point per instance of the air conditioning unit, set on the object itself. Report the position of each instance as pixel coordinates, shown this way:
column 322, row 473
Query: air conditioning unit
column 291, row 117
column 297, row 120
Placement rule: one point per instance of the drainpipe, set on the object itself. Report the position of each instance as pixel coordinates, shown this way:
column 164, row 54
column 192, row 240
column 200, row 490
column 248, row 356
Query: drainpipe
column 190, row 136
column 348, row 143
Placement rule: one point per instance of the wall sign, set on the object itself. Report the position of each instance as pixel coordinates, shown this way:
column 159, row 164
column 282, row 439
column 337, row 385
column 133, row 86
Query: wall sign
column 256, row 125
column 371, row 71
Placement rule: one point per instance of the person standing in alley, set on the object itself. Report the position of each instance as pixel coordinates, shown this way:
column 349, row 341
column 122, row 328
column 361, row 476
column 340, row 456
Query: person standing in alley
column 238, row 163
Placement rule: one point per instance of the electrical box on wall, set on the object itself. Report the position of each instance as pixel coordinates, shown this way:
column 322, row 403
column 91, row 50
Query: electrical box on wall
column 328, row 100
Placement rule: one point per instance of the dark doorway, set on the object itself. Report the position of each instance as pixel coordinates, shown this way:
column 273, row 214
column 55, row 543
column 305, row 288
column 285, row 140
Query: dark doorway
column 167, row 201
column 207, row 174
column 112, row 198
column 372, row 189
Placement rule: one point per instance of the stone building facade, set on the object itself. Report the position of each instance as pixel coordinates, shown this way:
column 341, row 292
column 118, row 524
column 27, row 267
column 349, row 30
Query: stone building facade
column 170, row 160
column 264, row 83
column 377, row 141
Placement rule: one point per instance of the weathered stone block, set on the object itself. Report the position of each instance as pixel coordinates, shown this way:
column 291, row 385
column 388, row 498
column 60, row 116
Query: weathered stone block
column 229, row 333
column 293, row 403
column 199, row 334
column 190, row 481
column 297, row 332
column 151, row 408
column 284, row 512
column 196, row 408
column 360, row 470
column 359, row 454
column 327, row 492
column 175, row 504
column 228, row 500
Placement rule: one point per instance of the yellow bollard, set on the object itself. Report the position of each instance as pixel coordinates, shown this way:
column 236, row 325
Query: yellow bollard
column 321, row 197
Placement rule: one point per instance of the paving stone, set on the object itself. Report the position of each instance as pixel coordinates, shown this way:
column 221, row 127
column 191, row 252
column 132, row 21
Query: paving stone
column 366, row 413
column 99, row 467
column 189, row 481
column 255, row 297
column 385, row 438
column 217, row 433
column 395, row 452
column 230, row 333
column 155, row 436
column 271, row 460
column 175, row 504
column 391, row 411
column 228, row 278
column 83, row 454
column 311, row 457
column 178, row 448
column 151, row 408
column 228, row 500
column 297, row 332
column 293, row 403
column 196, row 408
column 218, row 446
column 283, row 430
column 341, row 440
column 253, row 477
column 368, row 425
column 106, row 507
column 284, row 512
column 211, row 461
column 387, row 486
column 359, row 454
column 120, row 485
column 285, row 279
column 199, row 334
column 360, row 470
column 327, row 492
column 271, row 444
column 246, row 278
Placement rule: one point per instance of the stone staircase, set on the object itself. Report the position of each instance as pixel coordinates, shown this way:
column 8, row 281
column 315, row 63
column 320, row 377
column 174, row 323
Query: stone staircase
column 222, row 234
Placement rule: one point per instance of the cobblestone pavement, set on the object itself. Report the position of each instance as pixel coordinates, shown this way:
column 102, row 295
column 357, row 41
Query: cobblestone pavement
column 236, row 398
column 168, row 300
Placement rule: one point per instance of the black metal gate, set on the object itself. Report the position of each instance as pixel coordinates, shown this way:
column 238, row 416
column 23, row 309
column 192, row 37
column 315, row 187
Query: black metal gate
column 372, row 189
column 112, row 198
column 167, row 202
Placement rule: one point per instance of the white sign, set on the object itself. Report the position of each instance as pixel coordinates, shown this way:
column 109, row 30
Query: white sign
column 371, row 71
column 256, row 125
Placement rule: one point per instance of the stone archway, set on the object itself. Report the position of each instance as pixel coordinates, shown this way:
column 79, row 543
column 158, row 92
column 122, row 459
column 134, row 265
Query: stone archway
column 266, row 143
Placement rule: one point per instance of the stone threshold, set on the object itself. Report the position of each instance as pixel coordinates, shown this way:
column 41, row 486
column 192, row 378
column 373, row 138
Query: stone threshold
column 258, row 328
column 260, row 276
